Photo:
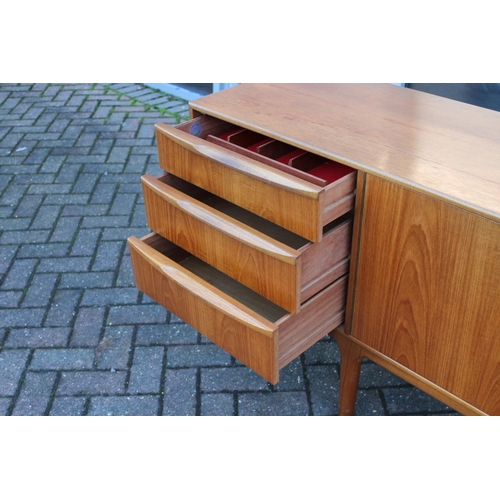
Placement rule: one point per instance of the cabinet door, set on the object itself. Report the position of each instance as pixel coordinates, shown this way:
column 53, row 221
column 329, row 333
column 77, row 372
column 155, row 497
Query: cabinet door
column 427, row 290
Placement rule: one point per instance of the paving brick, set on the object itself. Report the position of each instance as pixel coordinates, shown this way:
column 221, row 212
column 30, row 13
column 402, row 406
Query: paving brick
column 238, row 378
column 124, row 405
column 125, row 276
column 12, row 364
column 118, row 234
column 16, row 224
column 123, row 315
column 85, row 242
column 106, row 221
column 197, row 355
column 90, row 210
column 62, row 359
column 11, row 140
column 88, row 327
column 32, row 178
column 28, row 205
column 123, row 204
column 325, row 351
column 88, row 106
column 19, row 274
column 38, row 156
column 111, row 296
column 85, row 183
column 33, row 113
column 108, row 255
column 65, row 229
column 369, row 404
column 324, row 389
column 91, row 383
column 52, row 163
column 64, row 264
column 86, row 280
column 76, row 100
column 6, row 212
column 43, row 250
column 63, row 308
column 145, row 374
column 4, row 406
column 69, row 173
column 180, row 392
column 66, row 199
column 45, row 217
column 217, row 404
column 10, row 299
column 40, row 290
column 22, row 317
column 7, row 254
column 51, row 90
column 11, row 102
column 68, row 406
column 21, row 108
column 102, row 147
column 35, row 394
column 113, row 351
column 64, row 95
column 373, row 375
column 87, row 138
column 166, row 334
column 103, row 168
column 13, row 194
column 273, row 404
column 18, row 237
column 49, row 189
column 38, row 337
column 291, row 377
column 131, row 125
column 410, row 400
column 119, row 154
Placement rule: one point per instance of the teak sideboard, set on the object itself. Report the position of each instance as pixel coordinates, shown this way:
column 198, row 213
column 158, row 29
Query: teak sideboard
column 369, row 212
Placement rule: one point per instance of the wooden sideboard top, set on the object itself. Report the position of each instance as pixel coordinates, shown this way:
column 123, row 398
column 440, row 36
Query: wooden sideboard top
column 437, row 146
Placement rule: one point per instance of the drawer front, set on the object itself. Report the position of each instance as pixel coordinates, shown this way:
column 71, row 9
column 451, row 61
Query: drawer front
column 259, row 262
column 288, row 201
column 249, row 328
column 244, row 246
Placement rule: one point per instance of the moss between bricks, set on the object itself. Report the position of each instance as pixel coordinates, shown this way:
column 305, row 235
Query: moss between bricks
column 178, row 116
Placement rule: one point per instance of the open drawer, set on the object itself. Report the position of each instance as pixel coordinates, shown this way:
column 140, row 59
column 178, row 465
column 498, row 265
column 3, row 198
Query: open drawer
column 281, row 189
column 257, row 332
column 281, row 266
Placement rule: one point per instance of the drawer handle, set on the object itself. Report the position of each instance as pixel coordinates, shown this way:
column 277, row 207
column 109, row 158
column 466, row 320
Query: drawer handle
column 244, row 165
column 221, row 222
column 206, row 292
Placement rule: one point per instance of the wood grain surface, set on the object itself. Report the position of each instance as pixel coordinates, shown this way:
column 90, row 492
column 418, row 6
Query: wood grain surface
column 427, row 291
column 277, row 196
column 434, row 145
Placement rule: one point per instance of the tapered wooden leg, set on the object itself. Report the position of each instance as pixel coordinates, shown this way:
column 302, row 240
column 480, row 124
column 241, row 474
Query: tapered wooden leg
column 350, row 367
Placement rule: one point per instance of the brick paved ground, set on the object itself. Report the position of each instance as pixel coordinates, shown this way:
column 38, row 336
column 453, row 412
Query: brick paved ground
column 76, row 337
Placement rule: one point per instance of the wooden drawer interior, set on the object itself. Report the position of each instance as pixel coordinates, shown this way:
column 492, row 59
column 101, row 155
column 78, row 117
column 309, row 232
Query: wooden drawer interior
column 280, row 155
column 254, row 330
column 283, row 192
column 338, row 180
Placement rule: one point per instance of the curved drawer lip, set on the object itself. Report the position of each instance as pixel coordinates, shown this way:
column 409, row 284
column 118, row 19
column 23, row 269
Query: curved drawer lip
column 222, row 222
column 249, row 167
column 201, row 289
